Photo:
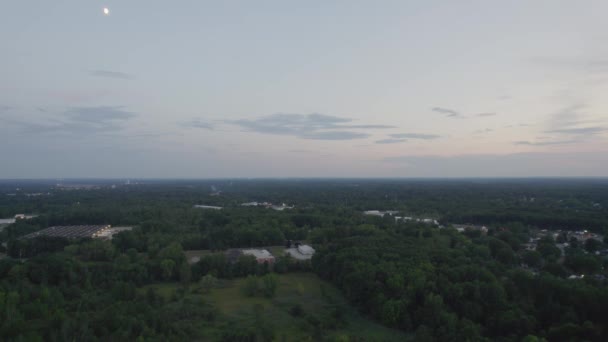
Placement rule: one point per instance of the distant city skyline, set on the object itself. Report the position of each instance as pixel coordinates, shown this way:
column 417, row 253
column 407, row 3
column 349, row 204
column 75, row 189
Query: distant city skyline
column 196, row 89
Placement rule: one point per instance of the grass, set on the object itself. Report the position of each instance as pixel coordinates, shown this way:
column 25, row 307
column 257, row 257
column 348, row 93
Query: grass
column 317, row 298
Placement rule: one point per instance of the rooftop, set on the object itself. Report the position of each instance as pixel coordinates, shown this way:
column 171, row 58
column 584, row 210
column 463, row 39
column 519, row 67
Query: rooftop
column 305, row 249
column 258, row 253
column 200, row 206
column 70, row 232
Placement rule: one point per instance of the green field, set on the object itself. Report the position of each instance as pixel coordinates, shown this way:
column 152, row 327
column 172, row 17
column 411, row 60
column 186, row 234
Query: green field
column 320, row 304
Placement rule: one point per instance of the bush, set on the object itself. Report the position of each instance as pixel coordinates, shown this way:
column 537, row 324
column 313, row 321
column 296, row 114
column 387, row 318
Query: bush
column 250, row 288
column 296, row 310
column 270, row 285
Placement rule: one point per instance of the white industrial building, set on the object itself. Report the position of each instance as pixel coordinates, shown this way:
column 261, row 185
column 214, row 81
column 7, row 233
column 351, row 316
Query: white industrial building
column 261, row 255
column 302, row 252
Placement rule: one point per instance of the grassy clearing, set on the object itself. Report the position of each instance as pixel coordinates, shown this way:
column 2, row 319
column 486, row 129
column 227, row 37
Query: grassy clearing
column 317, row 299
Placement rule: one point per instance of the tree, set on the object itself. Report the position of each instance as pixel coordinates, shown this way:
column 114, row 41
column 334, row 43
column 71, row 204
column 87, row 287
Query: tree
column 208, row 282
column 250, row 286
column 592, row 245
column 506, row 256
column 185, row 274
column 167, row 266
column 583, row 264
column 174, row 252
column 269, row 285
column 532, row 258
column 549, row 251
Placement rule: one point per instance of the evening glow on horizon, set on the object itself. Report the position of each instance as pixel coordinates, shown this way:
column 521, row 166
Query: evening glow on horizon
column 239, row 89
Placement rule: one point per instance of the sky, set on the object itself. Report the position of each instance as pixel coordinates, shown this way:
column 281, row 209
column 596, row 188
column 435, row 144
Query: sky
column 207, row 89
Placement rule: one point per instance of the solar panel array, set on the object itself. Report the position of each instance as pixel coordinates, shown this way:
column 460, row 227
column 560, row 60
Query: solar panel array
column 70, row 232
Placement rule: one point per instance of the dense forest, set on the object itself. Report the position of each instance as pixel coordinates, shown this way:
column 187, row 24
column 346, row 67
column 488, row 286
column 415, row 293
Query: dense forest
column 423, row 281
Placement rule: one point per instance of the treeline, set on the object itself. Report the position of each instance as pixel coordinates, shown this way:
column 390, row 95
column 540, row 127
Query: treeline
column 569, row 204
column 443, row 286
column 92, row 289
column 434, row 283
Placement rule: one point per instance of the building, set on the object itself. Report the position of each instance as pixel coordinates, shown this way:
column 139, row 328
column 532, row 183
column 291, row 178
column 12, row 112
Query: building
column 261, row 255
column 15, row 218
column 281, row 207
column 233, row 255
column 70, row 232
column 108, row 233
column 7, row 221
column 306, row 250
column 301, row 252
column 200, row 206
column 380, row 213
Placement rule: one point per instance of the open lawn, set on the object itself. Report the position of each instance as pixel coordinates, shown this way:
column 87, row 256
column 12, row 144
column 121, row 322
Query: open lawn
column 304, row 308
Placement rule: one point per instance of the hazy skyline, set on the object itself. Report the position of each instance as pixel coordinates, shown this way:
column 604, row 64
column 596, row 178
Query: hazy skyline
column 294, row 89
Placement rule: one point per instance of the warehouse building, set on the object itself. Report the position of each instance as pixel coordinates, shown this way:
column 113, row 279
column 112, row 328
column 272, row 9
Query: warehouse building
column 71, row 232
column 301, row 252
column 261, row 255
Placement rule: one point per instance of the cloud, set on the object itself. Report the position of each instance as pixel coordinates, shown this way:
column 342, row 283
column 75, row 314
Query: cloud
column 198, row 123
column 300, row 151
column 591, row 65
column 508, row 165
column 567, row 116
column 306, row 126
column 482, row 131
column 390, row 141
column 334, row 135
column 579, row 130
column 518, row 125
column 448, row 112
column 363, row 126
column 545, row 143
column 80, row 121
column 415, row 136
column 598, row 64
column 451, row 113
column 571, row 121
column 4, row 108
column 98, row 115
column 111, row 74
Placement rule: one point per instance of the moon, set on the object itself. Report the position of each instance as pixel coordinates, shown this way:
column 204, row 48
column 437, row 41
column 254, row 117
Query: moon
column 106, row 11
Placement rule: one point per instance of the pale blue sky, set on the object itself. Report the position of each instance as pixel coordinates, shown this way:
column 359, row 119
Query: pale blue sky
column 303, row 88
